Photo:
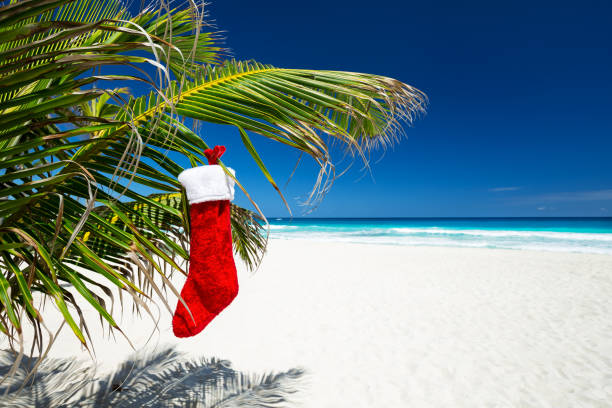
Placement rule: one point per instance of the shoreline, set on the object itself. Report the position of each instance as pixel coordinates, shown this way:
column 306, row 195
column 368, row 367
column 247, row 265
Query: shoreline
column 442, row 247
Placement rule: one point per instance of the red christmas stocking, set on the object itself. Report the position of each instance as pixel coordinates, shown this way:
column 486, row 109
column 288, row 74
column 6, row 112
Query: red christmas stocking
column 212, row 283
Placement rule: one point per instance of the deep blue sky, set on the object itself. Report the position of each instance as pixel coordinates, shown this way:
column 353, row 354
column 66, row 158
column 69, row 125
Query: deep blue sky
column 520, row 115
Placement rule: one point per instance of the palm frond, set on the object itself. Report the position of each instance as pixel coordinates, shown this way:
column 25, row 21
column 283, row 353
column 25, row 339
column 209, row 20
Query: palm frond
column 89, row 199
column 48, row 110
column 299, row 108
column 248, row 233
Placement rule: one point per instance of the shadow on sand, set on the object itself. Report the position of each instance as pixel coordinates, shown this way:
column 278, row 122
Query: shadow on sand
column 161, row 379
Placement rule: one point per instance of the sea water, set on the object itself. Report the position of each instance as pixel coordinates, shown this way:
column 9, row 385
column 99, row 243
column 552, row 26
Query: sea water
column 589, row 235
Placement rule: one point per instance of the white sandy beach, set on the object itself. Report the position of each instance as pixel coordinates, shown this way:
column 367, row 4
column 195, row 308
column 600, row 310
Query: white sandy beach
column 398, row 326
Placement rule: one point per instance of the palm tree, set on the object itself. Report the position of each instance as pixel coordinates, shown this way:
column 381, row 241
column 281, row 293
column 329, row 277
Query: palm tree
column 77, row 150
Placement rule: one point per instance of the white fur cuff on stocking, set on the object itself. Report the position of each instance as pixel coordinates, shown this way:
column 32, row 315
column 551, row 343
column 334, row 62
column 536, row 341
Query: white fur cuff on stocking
column 207, row 183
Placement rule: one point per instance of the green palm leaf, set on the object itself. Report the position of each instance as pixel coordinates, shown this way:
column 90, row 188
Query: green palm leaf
column 90, row 205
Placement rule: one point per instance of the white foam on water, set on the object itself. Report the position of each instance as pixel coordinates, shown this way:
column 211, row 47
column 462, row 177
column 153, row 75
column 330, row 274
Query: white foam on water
column 598, row 243
column 508, row 233
column 282, row 227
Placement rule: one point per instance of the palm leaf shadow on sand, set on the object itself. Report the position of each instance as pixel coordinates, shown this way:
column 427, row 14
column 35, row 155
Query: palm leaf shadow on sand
column 162, row 379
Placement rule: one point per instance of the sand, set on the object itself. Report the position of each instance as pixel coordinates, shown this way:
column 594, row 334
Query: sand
column 397, row 326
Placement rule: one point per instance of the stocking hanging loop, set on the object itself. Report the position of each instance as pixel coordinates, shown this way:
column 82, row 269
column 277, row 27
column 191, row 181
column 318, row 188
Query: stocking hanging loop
column 213, row 155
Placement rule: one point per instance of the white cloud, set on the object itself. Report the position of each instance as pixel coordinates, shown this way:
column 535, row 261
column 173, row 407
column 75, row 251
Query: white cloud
column 498, row 189
column 549, row 200
column 595, row 195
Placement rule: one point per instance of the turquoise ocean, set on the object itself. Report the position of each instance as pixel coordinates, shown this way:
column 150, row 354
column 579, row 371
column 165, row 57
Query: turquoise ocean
column 588, row 235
